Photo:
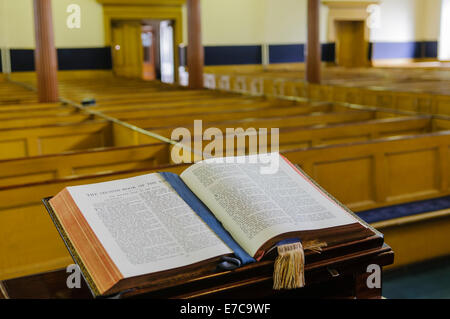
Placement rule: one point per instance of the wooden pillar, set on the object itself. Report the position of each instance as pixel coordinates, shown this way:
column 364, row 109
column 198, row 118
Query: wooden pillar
column 195, row 53
column 313, row 54
column 45, row 54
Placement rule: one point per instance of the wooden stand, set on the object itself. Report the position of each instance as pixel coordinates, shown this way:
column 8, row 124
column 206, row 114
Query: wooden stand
column 340, row 271
column 343, row 277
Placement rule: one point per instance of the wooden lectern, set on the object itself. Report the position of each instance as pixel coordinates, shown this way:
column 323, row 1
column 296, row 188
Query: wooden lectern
column 338, row 273
column 340, row 277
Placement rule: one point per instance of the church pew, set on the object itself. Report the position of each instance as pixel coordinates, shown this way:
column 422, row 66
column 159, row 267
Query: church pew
column 34, row 141
column 109, row 95
column 126, row 100
column 29, row 107
column 211, row 106
column 417, row 238
column 33, row 169
column 11, row 93
column 323, row 135
column 351, row 166
column 403, row 94
column 185, row 103
column 383, row 172
column 37, row 121
column 30, row 244
column 326, row 135
column 36, row 113
column 214, row 116
column 60, row 138
column 79, row 163
column 273, row 122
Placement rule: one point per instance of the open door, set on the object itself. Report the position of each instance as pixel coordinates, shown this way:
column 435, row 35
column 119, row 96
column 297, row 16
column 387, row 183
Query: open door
column 149, row 53
column 127, row 49
column 352, row 49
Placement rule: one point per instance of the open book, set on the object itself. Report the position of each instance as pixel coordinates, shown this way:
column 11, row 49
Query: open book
column 128, row 231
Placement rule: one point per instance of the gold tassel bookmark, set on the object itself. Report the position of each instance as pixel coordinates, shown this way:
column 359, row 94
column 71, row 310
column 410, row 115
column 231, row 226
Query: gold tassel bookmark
column 289, row 268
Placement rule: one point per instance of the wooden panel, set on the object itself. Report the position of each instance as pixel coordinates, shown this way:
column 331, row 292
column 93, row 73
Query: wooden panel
column 30, row 239
column 63, row 143
column 37, row 121
column 292, row 121
column 19, row 178
column 413, row 173
column 423, row 238
column 13, row 148
column 442, row 105
column 350, row 181
column 16, row 143
column 124, row 136
column 43, row 168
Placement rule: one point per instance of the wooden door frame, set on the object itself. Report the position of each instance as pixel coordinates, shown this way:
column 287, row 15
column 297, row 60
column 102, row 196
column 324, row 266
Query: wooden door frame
column 145, row 10
column 348, row 11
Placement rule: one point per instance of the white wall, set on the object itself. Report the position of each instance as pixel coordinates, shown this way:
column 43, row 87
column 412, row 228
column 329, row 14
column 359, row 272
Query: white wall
column 233, row 22
column 19, row 20
column 285, row 23
column 444, row 48
column 397, row 21
column 91, row 33
column 257, row 21
column 226, row 22
column 429, row 22
column 3, row 23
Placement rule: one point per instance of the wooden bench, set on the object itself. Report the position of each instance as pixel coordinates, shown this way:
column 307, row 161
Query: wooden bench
column 383, row 172
column 418, row 97
column 79, row 163
column 271, row 122
column 30, row 243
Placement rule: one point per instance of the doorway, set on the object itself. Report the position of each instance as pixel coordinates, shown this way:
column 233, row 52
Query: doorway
column 352, row 49
column 143, row 49
column 149, row 53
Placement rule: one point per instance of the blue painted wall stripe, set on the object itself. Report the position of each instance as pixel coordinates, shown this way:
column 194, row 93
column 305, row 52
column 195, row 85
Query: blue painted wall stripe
column 100, row 58
column 22, row 60
column 228, row 55
column 286, row 53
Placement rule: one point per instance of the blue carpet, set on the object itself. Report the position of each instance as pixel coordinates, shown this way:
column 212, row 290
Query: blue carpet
column 403, row 210
column 429, row 280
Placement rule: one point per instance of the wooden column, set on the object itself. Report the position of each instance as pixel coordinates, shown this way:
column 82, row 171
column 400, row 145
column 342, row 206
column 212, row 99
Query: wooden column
column 45, row 54
column 195, row 53
column 313, row 54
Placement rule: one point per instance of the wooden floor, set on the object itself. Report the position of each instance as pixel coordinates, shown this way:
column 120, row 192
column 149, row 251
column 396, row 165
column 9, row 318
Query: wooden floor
column 366, row 157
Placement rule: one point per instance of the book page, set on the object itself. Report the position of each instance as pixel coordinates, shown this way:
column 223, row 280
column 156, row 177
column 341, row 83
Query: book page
column 256, row 207
column 145, row 226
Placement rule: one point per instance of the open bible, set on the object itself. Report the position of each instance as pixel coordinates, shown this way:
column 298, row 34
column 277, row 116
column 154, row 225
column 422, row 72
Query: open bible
column 125, row 233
